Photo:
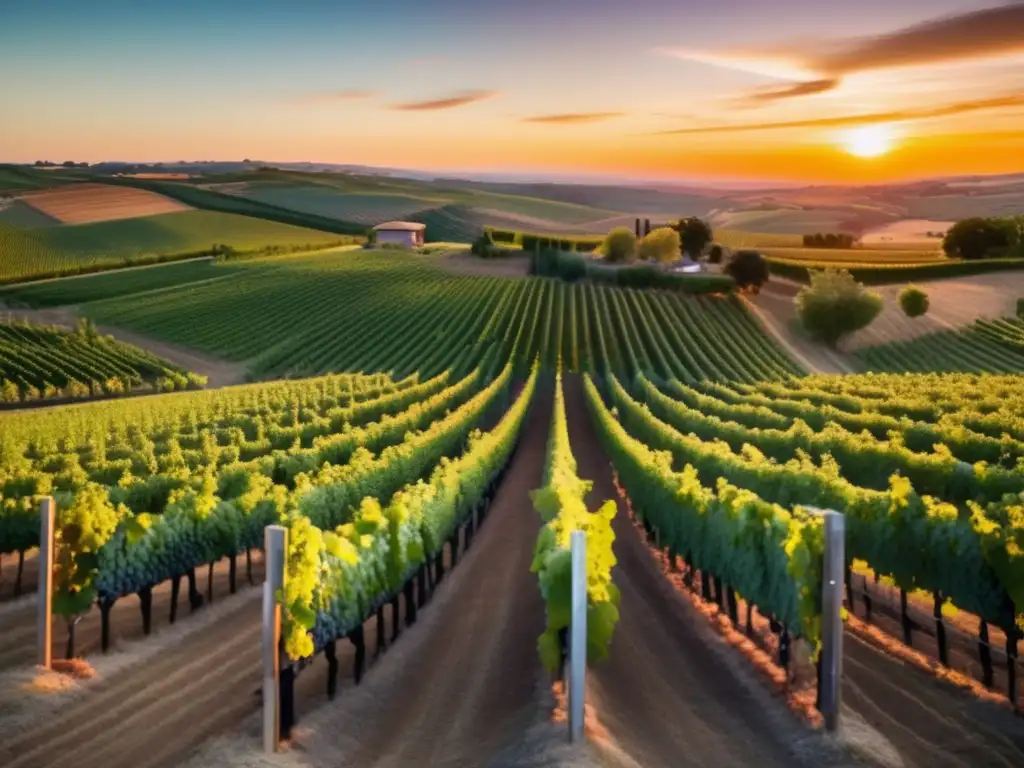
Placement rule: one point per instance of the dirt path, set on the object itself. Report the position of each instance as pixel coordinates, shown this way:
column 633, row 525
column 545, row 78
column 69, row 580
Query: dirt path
column 773, row 306
column 660, row 694
column 220, row 373
column 462, row 688
column 465, row 263
column 931, row 724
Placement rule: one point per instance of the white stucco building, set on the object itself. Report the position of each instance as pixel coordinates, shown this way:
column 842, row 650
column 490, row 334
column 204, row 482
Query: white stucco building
column 408, row 233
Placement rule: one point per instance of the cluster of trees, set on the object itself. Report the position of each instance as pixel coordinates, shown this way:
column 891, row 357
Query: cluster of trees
column 835, row 305
column 985, row 238
column 65, row 164
column 829, row 240
column 687, row 237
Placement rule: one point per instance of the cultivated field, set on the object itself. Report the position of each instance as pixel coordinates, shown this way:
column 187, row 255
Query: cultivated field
column 91, row 203
column 430, row 429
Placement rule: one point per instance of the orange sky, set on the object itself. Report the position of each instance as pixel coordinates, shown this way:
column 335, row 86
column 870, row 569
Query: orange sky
column 702, row 90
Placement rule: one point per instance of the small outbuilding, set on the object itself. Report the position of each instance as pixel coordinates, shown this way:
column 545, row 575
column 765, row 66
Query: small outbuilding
column 407, row 233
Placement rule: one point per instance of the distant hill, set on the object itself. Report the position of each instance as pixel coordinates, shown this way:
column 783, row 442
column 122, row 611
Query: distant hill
column 350, row 198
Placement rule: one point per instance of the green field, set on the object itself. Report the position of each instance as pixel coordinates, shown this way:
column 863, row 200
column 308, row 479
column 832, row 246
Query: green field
column 39, row 362
column 49, row 251
column 106, row 285
column 16, row 213
column 309, row 315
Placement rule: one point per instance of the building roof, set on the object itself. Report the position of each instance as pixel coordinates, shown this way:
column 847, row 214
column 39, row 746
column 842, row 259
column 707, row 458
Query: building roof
column 400, row 226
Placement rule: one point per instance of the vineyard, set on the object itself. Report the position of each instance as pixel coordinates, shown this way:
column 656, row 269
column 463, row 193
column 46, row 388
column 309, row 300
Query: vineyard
column 108, row 285
column 44, row 363
column 347, row 304
column 71, row 249
column 985, row 346
column 402, row 399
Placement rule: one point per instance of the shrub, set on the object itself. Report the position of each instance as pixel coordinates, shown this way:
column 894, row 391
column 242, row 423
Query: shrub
column 660, row 245
column 834, row 305
column 9, row 392
column 694, row 235
column 619, row 245
column 914, row 301
column 1020, row 308
column 976, row 237
column 715, row 254
column 749, row 269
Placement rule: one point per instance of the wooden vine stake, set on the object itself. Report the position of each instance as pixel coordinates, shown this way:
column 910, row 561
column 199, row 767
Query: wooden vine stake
column 44, row 628
column 276, row 544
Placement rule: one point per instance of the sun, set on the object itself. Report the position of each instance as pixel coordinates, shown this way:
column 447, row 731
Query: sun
column 868, row 141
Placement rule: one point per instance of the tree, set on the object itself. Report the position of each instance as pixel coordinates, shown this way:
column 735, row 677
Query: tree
column 835, row 305
column 715, row 254
column 749, row 269
column 661, row 244
column 914, row 301
column 976, row 238
column 619, row 245
column 695, row 235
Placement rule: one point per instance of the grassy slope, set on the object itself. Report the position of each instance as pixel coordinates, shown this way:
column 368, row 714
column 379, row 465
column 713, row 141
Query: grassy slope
column 54, row 249
column 19, row 214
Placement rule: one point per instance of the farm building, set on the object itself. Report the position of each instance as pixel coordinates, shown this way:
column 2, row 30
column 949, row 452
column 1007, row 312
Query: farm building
column 409, row 233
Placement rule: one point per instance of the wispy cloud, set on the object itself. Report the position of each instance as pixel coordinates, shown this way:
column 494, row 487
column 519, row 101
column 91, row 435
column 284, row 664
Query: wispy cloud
column 817, row 67
column 347, row 94
column 807, row 88
column 841, row 121
column 448, row 102
column 573, row 118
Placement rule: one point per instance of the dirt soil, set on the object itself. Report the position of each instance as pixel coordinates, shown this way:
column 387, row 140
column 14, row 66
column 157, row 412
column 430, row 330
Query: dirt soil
column 773, row 306
column 465, row 263
column 219, row 373
column 18, row 619
column 90, row 203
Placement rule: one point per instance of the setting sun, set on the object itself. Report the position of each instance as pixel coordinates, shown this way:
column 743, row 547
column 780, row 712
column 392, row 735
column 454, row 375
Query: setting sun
column 868, row 141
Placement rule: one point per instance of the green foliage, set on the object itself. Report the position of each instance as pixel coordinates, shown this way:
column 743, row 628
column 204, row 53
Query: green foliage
column 80, row 532
column 694, row 234
column 920, row 541
column 561, row 504
column 913, row 301
column 749, row 269
column 660, row 245
column 770, row 555
column 835, row 305
column 979, row 238
column 619, row 245
column 45, row 363
column 887, row 274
